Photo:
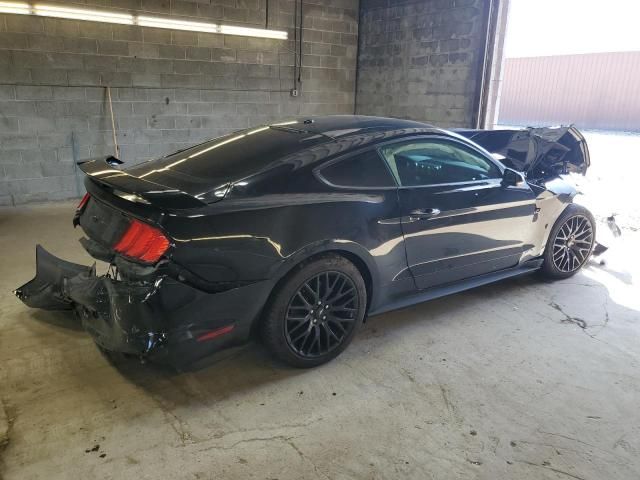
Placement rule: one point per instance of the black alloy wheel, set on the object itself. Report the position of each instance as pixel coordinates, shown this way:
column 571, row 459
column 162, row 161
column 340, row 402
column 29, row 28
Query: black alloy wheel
column 314, row 314
column 321, row 314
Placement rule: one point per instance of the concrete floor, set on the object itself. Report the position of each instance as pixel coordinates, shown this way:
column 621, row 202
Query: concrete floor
column 522, row 379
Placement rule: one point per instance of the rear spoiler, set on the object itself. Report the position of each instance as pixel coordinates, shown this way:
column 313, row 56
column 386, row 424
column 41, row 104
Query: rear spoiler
column 104, row 171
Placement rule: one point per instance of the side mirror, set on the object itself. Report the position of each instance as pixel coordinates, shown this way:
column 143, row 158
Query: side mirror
column 511, row 178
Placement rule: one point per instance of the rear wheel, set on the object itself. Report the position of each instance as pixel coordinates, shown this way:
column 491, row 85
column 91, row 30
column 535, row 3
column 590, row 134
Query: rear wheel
column 570, row 243
column 316, row 312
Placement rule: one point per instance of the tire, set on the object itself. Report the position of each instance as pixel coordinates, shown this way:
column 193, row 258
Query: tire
column 305, row 335
column 570, row 243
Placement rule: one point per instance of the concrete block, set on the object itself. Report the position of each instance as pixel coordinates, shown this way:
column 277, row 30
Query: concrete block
column 96, row 30
column 199, row 108
column 15, row 75
column 116, row 79
column 244, row 56
column 175, row 80
column 47, row 43
column 172, row 51
column 156, row 35
column 223, row 55
column 100, row 63
column 29, row 92
column 129, row 33
column 146, row 80
column 14, row 41
column 113, row 47
column 184, row 38
column 52, row 109
column 80, row 45
column 144, row 50
column 48, row 76
column 7, row 92
column 82, row 78
column 211, row 40
column 179, row 7
column 61, row 27
column 185, row 95
column 130, row 94
column 162, row 122
column 187, row 122
column 24, row 24
column 157, row 6
column 17, row 108
column 199, row 53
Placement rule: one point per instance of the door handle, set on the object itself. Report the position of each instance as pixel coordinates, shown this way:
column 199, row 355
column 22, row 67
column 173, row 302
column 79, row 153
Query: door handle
column 424, row 213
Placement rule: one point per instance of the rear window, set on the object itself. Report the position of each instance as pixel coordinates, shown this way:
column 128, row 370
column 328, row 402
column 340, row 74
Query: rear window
column 363, row 170
column 230, row 157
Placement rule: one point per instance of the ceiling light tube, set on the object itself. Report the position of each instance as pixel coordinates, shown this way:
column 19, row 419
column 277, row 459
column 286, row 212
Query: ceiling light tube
column 15, row 7
column 253, row 32
column 47, row 10
column 159, row 22
column 82, row 14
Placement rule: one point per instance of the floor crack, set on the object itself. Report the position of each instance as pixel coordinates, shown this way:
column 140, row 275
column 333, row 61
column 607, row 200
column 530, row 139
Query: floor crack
column 549, row 467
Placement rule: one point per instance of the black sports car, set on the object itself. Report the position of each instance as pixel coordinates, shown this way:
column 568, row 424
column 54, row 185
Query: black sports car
column 296, row 231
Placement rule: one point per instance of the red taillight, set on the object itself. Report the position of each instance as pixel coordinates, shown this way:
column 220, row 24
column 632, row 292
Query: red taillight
column 83, row 202
column 143, row 242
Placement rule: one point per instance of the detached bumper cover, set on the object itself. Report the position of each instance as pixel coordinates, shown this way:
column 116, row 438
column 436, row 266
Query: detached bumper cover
column 160, row 318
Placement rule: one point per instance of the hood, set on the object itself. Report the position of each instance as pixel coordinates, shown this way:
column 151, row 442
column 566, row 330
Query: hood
column 542, row 153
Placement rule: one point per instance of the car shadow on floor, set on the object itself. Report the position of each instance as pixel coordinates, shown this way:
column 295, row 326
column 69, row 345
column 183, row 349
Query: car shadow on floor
column 239, row 370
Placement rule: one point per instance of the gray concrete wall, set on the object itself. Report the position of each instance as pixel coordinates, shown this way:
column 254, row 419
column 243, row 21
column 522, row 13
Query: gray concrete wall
column 169, row 88
column 421, row 59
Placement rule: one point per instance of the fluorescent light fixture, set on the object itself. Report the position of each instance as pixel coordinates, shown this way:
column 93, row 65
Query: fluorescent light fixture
column 159, row 22
column 253, row 32
column 82, row 14
column 15, row 7
column 59, row 11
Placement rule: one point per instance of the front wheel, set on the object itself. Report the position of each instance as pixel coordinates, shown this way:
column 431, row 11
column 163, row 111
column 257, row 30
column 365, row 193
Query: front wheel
column 316, row 312
column 570, row 243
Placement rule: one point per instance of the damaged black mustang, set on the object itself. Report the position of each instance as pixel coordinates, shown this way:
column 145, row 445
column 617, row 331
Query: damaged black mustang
column 296, row 231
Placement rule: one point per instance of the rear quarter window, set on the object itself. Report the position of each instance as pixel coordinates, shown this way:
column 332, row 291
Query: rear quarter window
column 365, row 170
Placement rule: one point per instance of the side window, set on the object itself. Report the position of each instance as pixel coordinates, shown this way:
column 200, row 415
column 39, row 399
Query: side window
column 431, row 162
column 364, row 170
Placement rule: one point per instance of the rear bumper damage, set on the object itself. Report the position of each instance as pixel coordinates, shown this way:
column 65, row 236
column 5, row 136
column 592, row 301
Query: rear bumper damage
column 157, row 318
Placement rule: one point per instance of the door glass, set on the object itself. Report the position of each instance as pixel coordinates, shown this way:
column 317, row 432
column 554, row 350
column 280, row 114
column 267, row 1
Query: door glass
column 364, row 170
column 434, row 162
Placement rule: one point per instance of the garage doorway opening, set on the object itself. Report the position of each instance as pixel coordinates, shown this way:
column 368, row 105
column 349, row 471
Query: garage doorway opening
column 578, row 62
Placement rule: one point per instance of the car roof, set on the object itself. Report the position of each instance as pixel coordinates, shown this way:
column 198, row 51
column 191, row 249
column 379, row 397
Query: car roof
column 205, row 167
column 336, row 126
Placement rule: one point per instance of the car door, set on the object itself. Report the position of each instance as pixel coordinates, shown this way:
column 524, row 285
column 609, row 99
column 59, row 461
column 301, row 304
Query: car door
column 458, row 219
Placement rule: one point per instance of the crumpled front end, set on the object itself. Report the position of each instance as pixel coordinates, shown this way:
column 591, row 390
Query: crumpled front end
column 542, row 153
column 158, row 318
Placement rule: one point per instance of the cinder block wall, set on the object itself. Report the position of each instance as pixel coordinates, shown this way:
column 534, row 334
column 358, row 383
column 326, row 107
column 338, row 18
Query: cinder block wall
column 421, row 59
column 169, row 88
